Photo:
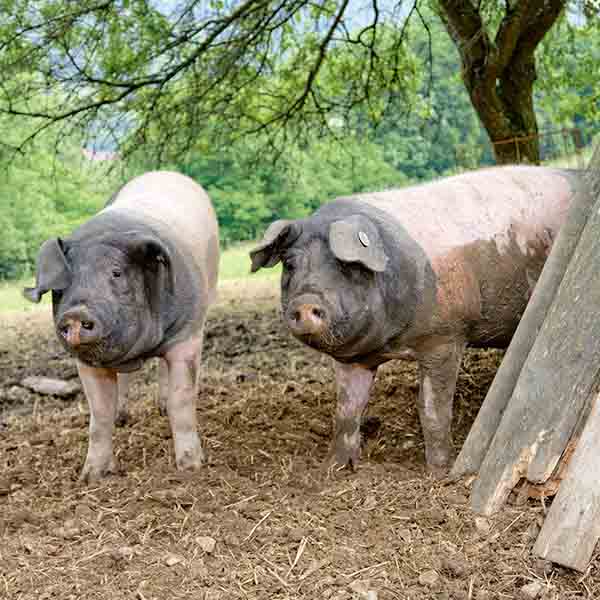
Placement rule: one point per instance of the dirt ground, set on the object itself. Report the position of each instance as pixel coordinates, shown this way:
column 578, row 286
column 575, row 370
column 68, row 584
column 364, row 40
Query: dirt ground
column 284, row 528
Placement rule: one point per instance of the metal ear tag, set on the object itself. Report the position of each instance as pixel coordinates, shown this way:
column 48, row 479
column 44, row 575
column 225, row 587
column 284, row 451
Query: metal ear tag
column 364, row 238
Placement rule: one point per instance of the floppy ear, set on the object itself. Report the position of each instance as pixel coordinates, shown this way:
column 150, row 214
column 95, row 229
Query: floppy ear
column 278, row 236
column 356, row 239
column 52, row 271
column 152, row 254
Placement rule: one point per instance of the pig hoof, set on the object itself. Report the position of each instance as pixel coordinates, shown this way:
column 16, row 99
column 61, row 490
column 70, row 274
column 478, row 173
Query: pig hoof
column 93, row 473
column 190, row 459
column 121, row 419
column 342, row 458
column 438, row 471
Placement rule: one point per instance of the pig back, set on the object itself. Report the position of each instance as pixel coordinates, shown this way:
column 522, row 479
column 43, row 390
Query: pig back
column 486, row 234
column 181, row 212
column 492, row 204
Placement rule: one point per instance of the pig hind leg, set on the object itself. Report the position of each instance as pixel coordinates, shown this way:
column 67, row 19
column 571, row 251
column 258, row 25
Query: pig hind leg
column 163, row 386
column 123, row 385
column 438, row 372
column 183, row 362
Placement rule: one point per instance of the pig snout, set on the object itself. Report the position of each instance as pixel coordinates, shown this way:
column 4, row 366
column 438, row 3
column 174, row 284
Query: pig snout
column 306, row 316
column 78, row 327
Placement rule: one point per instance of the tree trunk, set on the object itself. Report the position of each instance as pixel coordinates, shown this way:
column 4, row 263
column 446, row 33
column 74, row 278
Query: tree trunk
column 499, row 73
column 506, row 110
column 516, row 93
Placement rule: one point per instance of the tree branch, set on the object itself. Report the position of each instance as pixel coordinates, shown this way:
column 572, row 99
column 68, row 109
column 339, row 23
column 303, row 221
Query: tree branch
column 464, row 24
column 429, row 47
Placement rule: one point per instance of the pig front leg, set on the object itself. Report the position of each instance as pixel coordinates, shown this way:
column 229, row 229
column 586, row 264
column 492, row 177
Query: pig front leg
column 183, row 362
column 438, row 371
column 101, row 391
column 354, row 384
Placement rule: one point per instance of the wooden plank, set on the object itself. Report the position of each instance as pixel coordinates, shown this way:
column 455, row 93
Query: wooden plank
column 550, row 486
column 572, row 527
column 488, row 419
column 554, row 384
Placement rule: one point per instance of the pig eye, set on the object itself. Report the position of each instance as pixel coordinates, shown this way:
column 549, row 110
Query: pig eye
column 116, row 273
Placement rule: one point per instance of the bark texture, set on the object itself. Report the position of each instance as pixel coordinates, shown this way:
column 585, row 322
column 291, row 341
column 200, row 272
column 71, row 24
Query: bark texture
column 499, row 73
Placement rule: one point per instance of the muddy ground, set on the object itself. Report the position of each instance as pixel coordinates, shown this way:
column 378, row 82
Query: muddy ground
column 283, row 527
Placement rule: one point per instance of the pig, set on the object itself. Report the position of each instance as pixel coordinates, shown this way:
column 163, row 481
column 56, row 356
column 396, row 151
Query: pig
column 134, row 282
column 418, row 274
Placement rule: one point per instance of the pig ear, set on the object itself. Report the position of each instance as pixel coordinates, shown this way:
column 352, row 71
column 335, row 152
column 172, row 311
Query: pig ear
column 151, row 253
column 356, row 239
column 278, row 236
column 52, row 270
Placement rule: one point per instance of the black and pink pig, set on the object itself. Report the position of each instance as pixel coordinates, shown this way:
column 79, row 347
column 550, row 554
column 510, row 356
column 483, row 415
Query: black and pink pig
column 135, row 282
column 416, row 273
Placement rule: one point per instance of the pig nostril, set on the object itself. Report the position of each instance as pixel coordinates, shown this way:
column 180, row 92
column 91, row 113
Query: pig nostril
column 89, row 325
column 307, row 313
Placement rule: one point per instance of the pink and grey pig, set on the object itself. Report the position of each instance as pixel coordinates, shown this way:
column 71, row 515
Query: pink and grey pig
column 416, row 273
column 135, row 282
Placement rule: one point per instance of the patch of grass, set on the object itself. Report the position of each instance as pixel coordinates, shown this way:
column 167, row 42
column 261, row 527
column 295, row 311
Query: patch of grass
column 234, row 273
column 12, row 300
column 572, row 161
column 235, row 264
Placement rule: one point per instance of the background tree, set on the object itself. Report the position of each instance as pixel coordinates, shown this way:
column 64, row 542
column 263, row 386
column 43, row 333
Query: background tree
column 497, row 44
column 567, row 91
column 170, row 71
column 48, row 191
column 45, row 192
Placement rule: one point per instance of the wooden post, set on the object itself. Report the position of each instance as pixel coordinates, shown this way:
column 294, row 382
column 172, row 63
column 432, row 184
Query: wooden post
column 484, row 428
column 572, row 526
column 544, row 405
column 553, row 385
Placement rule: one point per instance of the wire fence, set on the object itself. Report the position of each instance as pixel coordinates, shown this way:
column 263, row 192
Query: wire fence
column 568, row 147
